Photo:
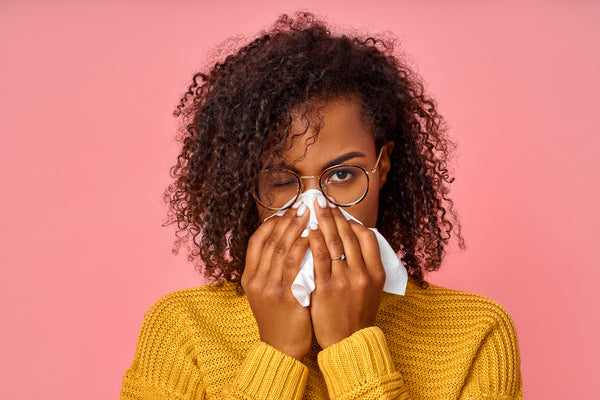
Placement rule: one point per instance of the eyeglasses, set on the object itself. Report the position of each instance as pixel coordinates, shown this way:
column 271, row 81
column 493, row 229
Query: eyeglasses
column 344, row 185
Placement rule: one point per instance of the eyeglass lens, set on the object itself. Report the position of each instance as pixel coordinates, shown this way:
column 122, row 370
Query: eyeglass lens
column 343, row 185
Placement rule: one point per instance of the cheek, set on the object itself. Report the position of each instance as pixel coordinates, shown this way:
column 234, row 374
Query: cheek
column 366, row 210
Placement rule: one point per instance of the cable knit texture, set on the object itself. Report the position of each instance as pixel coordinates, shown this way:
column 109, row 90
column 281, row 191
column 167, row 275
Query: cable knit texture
column 434, row 343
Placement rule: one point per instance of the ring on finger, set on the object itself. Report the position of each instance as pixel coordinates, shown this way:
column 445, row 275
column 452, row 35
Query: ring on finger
column 341, row 258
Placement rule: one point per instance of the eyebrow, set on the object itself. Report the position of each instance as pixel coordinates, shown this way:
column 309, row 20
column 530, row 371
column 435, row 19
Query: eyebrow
column 338, row 160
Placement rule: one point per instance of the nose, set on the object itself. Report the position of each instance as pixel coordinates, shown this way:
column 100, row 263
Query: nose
column 309, row 182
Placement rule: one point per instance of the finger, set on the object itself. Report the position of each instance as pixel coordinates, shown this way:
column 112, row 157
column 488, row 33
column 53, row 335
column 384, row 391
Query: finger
column 256, row 244
column 321, row 257
column 330, row 233
column 289, row 227
column 291, row 265
column 370, row 248
column 350, row 243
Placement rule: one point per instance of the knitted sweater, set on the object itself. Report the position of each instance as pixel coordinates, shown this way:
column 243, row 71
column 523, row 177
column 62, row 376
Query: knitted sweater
column 434, row 343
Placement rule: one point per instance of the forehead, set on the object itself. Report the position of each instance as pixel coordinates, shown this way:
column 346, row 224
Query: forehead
column 330, row 129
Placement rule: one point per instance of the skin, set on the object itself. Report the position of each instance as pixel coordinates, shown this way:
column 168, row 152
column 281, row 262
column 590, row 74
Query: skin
column 348, row 292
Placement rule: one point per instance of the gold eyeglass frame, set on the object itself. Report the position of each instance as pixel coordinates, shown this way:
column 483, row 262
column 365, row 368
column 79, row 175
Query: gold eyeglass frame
column 318, row 177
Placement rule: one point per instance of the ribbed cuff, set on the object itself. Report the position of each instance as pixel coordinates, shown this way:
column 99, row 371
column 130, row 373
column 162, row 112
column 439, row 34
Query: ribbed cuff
column 268, row 373
column 356, row 360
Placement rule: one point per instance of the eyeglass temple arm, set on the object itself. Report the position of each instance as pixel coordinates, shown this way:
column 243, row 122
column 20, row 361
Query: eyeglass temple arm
column 377, row 163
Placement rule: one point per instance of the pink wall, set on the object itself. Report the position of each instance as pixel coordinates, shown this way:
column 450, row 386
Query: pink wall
column 86, row 142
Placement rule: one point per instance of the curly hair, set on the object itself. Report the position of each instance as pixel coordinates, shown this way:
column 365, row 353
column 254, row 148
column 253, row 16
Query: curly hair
column 243, row 107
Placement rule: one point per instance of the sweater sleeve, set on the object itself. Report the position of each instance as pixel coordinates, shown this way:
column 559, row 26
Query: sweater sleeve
column 267, row 373
column 165, row 364
column 361, row 367
column 495, row 372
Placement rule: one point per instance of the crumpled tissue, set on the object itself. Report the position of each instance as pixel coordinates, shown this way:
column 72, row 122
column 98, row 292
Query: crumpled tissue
column 396, row 276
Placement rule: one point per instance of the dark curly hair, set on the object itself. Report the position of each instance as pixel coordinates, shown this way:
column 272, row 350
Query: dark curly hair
column 243, row 107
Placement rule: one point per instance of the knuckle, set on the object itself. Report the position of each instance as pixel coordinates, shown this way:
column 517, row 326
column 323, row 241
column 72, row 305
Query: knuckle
column 340, row 284
column 271, row 241
column 253, row 286
column 378, row 280
column 288, row 216
column 336, row 212
column 326, row 216
column 335, row 241
column 254, row 240
column 351, row 239
column 279, row 248
column 379, row 276
column 361, row 281
column 367, row 234
column 273, row 292
column 294, row 223
column 290, row 263
column 321, row 254
column 269, row 292
column 380, row 283
column 298, row 244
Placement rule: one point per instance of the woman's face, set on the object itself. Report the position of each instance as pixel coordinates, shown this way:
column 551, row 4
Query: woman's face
column 342, row 139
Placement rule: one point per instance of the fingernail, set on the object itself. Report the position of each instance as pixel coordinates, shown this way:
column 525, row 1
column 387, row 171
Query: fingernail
column 313, row 226
column 297, row 204
column 331, row 205
column 304, row 233
column 322, row 202
column 301, row 210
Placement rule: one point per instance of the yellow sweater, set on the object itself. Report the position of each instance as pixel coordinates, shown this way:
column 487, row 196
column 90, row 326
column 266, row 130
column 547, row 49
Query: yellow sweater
column 434, row 343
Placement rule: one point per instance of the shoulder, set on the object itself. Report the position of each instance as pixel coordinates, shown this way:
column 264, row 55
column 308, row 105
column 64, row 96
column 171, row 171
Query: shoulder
column 452, row 299
column 169, row 341
column 477, row 330
column 451, row 308
column 442, row 323
column 195, row 302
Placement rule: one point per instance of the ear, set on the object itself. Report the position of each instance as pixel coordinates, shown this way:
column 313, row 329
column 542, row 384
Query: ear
column 385, row 163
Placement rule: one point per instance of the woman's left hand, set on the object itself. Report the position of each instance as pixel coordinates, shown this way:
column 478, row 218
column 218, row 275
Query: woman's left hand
column 347, row 292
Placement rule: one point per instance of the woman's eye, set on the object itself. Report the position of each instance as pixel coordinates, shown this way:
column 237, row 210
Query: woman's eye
column 340, row 176
column 277, row 180
column 282, row 183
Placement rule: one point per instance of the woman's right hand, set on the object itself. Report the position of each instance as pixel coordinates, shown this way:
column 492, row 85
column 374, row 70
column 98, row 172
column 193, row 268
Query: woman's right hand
column 273, row 259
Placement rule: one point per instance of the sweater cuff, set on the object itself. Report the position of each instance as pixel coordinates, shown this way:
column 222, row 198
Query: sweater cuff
column 268, row 373
column 357, row 360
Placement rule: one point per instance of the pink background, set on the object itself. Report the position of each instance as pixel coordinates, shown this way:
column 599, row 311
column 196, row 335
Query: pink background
column 85, row 111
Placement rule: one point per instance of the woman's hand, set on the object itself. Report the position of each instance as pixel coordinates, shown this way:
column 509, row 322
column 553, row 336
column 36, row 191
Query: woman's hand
column 273, row 259
column 348, row 292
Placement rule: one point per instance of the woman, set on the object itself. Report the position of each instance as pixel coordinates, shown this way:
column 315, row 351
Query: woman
column 297, row 111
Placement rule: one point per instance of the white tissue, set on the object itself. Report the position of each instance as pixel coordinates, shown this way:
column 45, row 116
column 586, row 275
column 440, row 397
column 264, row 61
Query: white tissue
column 396, row 276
